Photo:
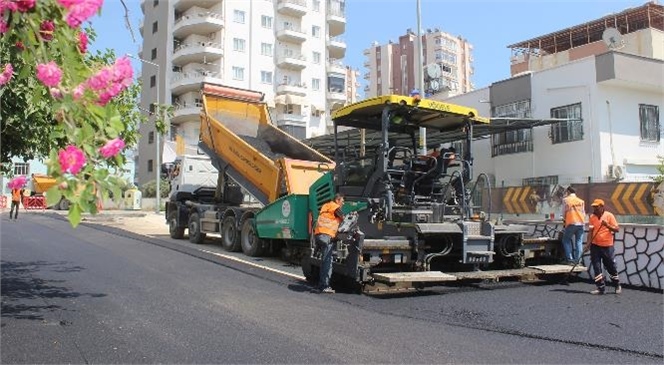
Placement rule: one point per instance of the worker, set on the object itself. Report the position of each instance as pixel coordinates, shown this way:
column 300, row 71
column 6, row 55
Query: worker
column 325, row 234
column 17, row 195
column 574, row 220
column 603, row 225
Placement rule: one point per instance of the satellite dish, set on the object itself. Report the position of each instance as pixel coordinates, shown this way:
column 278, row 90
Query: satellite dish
column 433, row 70
column 434, row 85
column 613, row 39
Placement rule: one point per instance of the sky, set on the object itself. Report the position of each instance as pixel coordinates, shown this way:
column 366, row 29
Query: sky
column 489, row 25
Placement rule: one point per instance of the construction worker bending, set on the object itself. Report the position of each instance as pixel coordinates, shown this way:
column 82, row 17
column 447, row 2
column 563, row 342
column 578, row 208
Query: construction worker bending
column 603, row 225
column 325, row 233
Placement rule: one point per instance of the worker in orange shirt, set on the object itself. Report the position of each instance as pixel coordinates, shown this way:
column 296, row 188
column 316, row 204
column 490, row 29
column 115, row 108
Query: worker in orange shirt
column 17, row 195
column 603, row 225
column 327, row 225
column 574, row 220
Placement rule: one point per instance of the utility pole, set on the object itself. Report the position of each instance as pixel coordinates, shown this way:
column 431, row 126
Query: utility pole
column 420, row 75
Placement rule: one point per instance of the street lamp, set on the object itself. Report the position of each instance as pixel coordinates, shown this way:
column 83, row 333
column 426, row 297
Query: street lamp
column 158, row 158
column 420, row 75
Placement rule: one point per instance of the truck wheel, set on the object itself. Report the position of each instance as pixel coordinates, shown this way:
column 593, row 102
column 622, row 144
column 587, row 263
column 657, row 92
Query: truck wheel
column 195, row 234
column 64, row 204
column 251, row 244
column 230, row 237
column 174, row 229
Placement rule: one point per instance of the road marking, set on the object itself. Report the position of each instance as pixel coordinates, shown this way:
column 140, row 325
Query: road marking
column 263, row 267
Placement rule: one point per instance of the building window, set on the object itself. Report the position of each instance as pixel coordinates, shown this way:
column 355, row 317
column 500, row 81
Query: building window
column 649, row 122
column 153, row 54
column 316, row 5
column 238, row 44
column 266, row 21
column 266, row 77
column 336, row 84
column 238, row 73
column 151, row 138
column 153, row 81
column 315, row 31
column 155, row 3
column 155, row 27
column 266, row 49
column 315, row 84
column 21, row 168
column 516, row 141
column 150, row 165
column 316, row 57
column 295, row 131
column 238, row 16
column 567, row 131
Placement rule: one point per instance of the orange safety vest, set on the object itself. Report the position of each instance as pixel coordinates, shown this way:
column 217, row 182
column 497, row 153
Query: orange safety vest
column 327, row 222
column 574, row 210
column 600, row 235
column 16, row 195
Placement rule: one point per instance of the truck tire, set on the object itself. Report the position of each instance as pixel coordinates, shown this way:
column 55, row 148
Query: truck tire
column 195, row 234
column 230, row 235
column 63, row 204
column 174, row 228
column 251, row 245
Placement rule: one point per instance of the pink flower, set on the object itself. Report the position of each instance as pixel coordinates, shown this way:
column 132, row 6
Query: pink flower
column 78, row 91
column 82, row 42
column 3, row 26
column 71, row 159
column 111, row 81
column 46, row 30
column 49, row 73
column 6, row 75
column 7, row 5
column 17, row 182
column 25, row 5
column 112, row 147
column 79, row 11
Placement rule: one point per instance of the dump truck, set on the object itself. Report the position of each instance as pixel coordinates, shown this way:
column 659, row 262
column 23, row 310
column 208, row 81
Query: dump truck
column 41, row 183
column 416, row 224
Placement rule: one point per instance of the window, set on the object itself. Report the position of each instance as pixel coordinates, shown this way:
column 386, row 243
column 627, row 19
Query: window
column 520, row 140
column 266, row 21
column 316, row 5
column 316, row 57
column 266, row 49
column 155, row 27
column 567, row 131
column 153, row 108
column 315, row 84
column 336, row 84
column 238, row 44
column 266, row 77
column 153, row 81
column 238, row 16
column 238, row 73
column 295, row 131
column 153, row 54
column 649, row 121
column 151, row 138
column 315, row 31
column 155, row 3
column 21, row 168
column 150, row 165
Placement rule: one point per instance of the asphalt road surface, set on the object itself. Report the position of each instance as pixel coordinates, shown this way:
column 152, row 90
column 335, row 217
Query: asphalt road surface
column 92, row 295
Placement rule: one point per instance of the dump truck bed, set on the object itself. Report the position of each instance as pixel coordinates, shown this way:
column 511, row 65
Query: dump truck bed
column 237, row 134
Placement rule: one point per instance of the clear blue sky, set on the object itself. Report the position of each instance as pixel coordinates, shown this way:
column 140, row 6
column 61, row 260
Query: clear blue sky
column 489, row 25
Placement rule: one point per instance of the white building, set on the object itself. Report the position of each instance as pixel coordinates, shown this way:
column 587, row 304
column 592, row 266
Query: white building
column 289, row 49
column 618, row 94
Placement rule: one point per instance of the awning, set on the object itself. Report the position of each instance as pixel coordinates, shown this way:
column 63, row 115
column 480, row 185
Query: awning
column 289, row 99
column 319, row 108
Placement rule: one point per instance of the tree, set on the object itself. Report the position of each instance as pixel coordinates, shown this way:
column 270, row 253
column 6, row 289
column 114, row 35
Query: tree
column 79, row 111
column 659, row 178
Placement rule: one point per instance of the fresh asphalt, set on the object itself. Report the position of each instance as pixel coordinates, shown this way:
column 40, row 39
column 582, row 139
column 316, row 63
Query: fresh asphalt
column 101, row 295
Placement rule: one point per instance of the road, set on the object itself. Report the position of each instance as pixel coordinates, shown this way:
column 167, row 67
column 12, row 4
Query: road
column 92, row 295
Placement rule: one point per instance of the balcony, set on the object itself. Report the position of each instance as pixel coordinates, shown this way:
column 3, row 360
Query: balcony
column 336, row 47
column 291, row 34
column 184, row 82
column 291, row 119
column 197, row 52
column 336, row 96
column 367, row 76
column 184, row 5
column 336, row 21
column 292, row 88
column 198, row 23
column 295, row 8
column 292, row 61
column 185, row 112
column 336, row 66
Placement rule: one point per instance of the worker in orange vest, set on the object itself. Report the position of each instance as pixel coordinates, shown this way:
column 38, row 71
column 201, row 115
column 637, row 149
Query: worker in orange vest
column 574, row 220
column 603, row 225
column 17, row 195
column 327, row 225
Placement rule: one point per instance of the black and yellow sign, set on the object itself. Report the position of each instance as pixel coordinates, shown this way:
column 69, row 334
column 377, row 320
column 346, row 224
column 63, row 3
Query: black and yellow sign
column 518, row 200
column 632, row 199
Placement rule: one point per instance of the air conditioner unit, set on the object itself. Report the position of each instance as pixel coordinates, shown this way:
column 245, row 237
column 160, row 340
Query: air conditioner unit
column 616, row 172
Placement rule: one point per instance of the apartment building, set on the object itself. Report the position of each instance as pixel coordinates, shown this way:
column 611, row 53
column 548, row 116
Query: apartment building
column 616, row 93
column 291, row 50
column 392, row 68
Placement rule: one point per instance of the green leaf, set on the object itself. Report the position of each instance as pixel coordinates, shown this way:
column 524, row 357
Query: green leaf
column 53, row 195
column 74, row 215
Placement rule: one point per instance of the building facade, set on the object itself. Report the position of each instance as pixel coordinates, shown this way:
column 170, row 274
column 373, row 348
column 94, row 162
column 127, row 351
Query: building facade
column 392, row 69
column 291, row 50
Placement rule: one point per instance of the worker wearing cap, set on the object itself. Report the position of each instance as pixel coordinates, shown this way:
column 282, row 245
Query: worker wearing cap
column 574, row 220
column 327, row 225
column 603, row 225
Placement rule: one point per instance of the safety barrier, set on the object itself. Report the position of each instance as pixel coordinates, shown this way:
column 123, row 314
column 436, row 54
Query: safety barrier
column 34, row 203
column 3, row 202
